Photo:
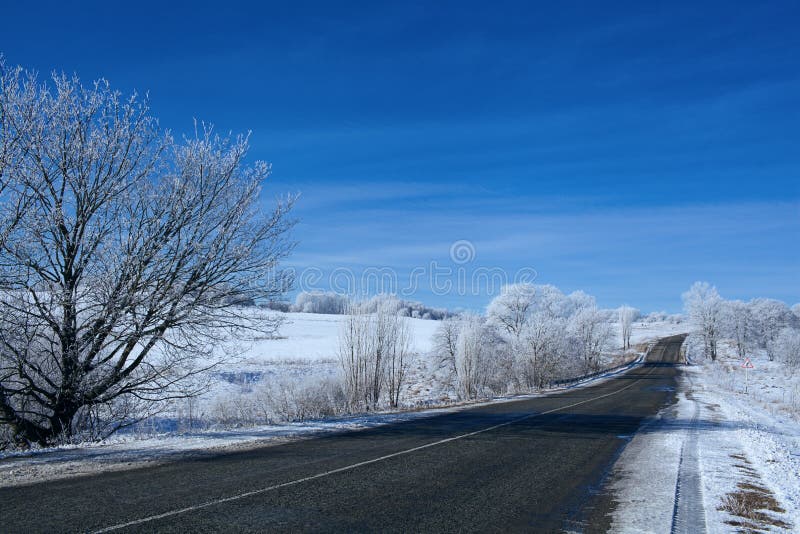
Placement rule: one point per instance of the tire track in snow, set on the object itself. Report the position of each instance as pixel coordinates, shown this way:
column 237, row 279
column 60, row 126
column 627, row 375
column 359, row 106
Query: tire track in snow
column 688, row 514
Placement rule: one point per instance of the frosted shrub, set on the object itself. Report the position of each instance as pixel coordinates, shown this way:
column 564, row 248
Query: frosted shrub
column 300, row 399
column 786, row 347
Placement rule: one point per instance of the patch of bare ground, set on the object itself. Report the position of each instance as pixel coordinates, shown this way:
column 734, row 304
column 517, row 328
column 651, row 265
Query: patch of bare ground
column 752, row 504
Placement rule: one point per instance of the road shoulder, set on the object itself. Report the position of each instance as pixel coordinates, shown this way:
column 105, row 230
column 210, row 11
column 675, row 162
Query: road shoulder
column 707, row 463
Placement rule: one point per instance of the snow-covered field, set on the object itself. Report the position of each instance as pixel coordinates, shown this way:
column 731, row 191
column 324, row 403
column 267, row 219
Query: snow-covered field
column 745, row 447
column 313, row 337
column 306, row 345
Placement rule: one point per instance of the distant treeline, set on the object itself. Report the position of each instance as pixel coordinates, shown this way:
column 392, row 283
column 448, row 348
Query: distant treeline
column 334, row 303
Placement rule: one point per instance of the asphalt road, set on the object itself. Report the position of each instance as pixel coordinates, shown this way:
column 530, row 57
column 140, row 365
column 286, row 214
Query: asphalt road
column 526, row 465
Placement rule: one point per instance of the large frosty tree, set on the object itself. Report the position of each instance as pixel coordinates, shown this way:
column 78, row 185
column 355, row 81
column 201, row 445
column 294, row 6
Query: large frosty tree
column 123, row 254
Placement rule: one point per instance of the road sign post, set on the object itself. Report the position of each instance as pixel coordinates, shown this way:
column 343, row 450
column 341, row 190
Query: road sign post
column 746, row 365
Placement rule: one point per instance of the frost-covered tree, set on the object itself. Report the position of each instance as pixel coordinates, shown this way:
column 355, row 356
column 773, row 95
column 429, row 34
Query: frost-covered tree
column 544, row 348
column 536, row 325
column 124, row 255
column 703, row 307
column 575, row 302
column 375, row 354
column 445, row 342
column 592, row 334
column 552, row 301
column 472, row 357
column 786, row 347
column 737, row 324
column 397, row 339
column 531, row 322
column 355, row 348
column 769, row 317
column 625, row 317
column 509, row 311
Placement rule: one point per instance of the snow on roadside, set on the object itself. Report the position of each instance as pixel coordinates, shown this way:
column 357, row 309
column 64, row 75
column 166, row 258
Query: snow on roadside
column 645, row 476
column 751, row 446
column 742, row 447
column 124, row 452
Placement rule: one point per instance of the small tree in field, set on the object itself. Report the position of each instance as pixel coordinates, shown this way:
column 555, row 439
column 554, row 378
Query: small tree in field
column 472, row 357
column 375, row 354
column 355, row 348
column 626, row 316
column 445, row 341
column 398, row 353
column 124, row 255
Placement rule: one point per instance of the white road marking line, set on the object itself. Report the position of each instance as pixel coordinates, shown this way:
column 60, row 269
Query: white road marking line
column 352, row 466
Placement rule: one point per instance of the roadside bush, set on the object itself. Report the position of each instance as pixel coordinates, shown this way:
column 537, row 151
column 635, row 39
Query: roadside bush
column 786, row 347
column 300, row 399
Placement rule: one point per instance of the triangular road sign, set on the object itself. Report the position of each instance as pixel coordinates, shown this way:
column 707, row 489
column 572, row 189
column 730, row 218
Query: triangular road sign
column 747, row 364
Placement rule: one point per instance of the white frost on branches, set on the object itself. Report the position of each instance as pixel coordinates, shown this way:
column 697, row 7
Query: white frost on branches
column 375, row 355
column 124, row 255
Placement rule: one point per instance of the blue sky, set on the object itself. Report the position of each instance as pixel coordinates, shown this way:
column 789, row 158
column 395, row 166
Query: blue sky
column 623, row 148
